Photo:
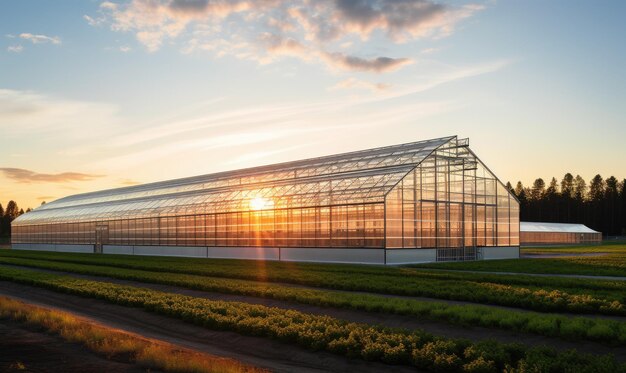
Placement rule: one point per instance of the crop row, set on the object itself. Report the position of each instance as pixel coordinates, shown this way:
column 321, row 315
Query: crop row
column 450, row 286
column 313, row 272
column 118, row 345
column 605, row 265
column 393, row 346
column 606, row 331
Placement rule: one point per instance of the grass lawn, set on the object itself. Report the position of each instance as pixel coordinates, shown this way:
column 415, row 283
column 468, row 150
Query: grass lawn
column 612, row 262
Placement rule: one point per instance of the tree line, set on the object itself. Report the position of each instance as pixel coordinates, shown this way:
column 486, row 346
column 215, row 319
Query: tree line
column 7, row 215
column 601, row 205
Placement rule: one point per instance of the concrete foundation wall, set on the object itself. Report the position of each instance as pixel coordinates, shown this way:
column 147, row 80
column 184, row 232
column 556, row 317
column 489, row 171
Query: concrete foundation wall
column 408, row 256
column 116, row 249
column 190, row 251
column 506, row 252
column 259, row 253
column 332, row 255
column 295, row 254
column 65, row 248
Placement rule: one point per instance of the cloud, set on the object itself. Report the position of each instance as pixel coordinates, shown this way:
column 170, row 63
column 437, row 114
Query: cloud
column 93, row 21
column 40, row 39
column 352, row 63
column 353, row 83
column 401, row 20
column 125, row 48
column 35, row 114
column 129, row 182
column 15, row 48
column 267, row 30
column 21, row 175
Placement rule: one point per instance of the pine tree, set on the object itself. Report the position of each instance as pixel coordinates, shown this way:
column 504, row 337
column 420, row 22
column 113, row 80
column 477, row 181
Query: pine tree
column 12, row 211
column 567, row 185
column 538, row 189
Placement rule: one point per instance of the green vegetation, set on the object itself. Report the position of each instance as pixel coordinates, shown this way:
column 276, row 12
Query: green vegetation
column 606, row 331
column 393, row 346
column 115, row 344
column 611, row 263
column 533, row 293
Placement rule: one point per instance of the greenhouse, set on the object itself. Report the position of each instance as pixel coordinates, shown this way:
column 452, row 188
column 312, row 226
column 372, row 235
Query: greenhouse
column 540, row 233
column 424, row 201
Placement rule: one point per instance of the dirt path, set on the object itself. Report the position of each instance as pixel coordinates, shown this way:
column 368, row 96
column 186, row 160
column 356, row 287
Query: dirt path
column 26, row 350
column 255, row 351
column 390, row 320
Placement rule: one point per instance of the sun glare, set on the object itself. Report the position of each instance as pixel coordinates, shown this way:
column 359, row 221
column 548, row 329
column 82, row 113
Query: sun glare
column 260, row 203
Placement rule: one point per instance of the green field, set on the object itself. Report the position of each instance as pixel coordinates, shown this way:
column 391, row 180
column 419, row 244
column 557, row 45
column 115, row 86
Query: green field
column 611, row 261
column 555, row 307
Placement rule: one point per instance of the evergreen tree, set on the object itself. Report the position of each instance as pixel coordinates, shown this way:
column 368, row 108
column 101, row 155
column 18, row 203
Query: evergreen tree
column 519, row 188
column 611, row 205
column 596, row 188
column 567, row 185
column 538, row 189
column 580, row 188
column 12, row 211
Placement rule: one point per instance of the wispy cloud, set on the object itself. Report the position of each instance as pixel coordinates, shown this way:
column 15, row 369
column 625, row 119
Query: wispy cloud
column 311, row 31
column 24, row 112
column 21, row 175
column 129, row 182
column 353, row 83
column 40, row 38
column 15, row 48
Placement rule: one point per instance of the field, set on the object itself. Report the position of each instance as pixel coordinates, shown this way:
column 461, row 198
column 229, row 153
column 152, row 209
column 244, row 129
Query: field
column 248, row 315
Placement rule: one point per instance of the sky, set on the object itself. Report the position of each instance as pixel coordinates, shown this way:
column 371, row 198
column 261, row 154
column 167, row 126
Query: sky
column 105, row 94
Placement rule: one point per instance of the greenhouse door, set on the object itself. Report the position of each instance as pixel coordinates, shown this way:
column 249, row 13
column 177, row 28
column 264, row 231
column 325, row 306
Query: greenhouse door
column 102, row 236
column 470, row 248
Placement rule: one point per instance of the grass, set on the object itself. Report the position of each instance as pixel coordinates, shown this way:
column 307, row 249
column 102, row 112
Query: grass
column 606, row 331
column 613, row 263
column 115, row 344
column 372, row 343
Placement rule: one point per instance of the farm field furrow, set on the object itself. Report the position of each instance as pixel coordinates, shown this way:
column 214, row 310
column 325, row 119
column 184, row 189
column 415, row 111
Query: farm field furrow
column 256, row 351
column 395, row 346
column 565, row 295
column 113, row 344
column 552, row 325
column 476, row 322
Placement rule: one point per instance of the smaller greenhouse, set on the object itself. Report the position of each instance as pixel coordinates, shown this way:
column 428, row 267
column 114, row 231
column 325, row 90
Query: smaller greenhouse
column 538, row 233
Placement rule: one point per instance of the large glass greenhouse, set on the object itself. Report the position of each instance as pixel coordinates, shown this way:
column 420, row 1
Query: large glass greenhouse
column 430, row 200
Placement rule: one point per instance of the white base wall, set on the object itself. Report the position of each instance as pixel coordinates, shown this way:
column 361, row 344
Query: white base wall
column 254, row 253
column 332, row 255
column 190, row 251
column 502, row 252
column 116, row 249
column 295, row 254
column 64, row 248
column 411, row 256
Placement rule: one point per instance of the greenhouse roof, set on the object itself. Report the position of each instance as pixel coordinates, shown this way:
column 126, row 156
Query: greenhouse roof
column 364, row 176
column 526, row 226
